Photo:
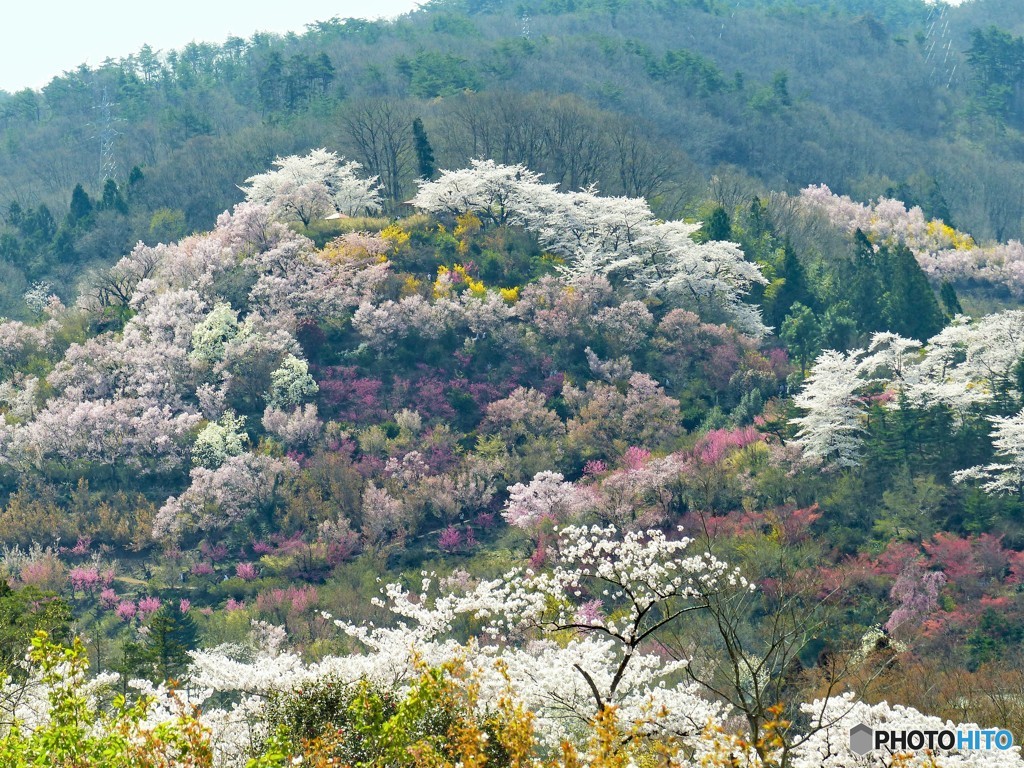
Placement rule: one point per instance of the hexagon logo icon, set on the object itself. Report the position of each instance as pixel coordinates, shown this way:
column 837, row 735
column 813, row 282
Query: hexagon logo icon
column 862, row 739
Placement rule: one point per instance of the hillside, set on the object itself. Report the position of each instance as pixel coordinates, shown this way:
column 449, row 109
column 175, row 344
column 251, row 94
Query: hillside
column 433, row 416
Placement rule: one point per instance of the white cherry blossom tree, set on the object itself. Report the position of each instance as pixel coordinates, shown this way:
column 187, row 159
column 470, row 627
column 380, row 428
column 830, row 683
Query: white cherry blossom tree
column 307, row 187
column 830, row 429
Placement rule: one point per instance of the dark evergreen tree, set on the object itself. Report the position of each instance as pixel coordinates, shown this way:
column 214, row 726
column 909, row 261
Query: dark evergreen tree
column 15, row 214
column 112, row 199
column 271, row 83
column 135, row 177
column 757, row 218
column 81, row 206
column 801, row 333
column 23, row 612
column 163, row 652
column 862, row 285
column 908, row 304
column 838, row 329
column 10, row 248
column 424, row 152
column 717, row 227
column 63, row 246
column 39, row 225
column 792, row 289
column 949, row 299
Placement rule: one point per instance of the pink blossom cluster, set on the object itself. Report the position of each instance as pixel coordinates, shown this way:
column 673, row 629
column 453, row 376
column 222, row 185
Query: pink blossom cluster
column 942, row 252
column 89, row 578
column 296, row 600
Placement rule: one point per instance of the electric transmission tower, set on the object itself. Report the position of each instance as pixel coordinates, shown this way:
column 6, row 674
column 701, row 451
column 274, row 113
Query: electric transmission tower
column 939, row 45
column 106, row 133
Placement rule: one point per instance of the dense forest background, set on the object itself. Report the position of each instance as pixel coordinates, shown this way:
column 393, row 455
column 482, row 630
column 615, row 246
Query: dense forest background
column 647, row 98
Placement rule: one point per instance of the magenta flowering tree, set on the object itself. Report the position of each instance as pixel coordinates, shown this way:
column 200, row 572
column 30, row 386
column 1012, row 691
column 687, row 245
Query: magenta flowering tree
column 450, row 539
column 148, row 606
column 247, row 571
column 84, row 579
column 716, row 444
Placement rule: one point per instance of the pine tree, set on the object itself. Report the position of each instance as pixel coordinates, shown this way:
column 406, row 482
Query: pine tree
column 801, row 332
column 112, row 199
column 949, row 299
column 864, row 289
column 717, row 227
column 792, row 289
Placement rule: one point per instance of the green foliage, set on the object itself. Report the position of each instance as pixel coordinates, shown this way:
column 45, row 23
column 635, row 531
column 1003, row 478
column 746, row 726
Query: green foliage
column 698, row 76
column 908, row 304
column 23, row 613
column 431, row 74
column 717, row 226
column 80, row 733
column 435, row 723
column 162, row 654
column 167, row 225
column 997, row 59
column 950, row 301
column 801, row 332
column 81, row 206
column 993, row 638
column 111, row 199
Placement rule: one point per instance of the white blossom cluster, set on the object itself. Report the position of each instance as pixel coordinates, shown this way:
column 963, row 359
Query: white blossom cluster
column 966, row 366
column 136, row 398
column 828, row 743
column 307, row 187
column 633, row 576
column 617, row 237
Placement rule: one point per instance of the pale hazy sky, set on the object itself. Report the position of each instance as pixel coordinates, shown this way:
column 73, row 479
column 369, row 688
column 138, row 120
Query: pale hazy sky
column 40, row 39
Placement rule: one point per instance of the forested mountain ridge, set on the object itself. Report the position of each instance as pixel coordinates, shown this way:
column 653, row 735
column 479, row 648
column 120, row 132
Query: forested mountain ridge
column 641, row 98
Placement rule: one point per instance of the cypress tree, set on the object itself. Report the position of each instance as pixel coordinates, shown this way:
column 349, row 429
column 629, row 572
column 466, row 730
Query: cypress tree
column 717, row 227
column 793, row 288
column 163, row 652
column 864, row 290
column 424, row 152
